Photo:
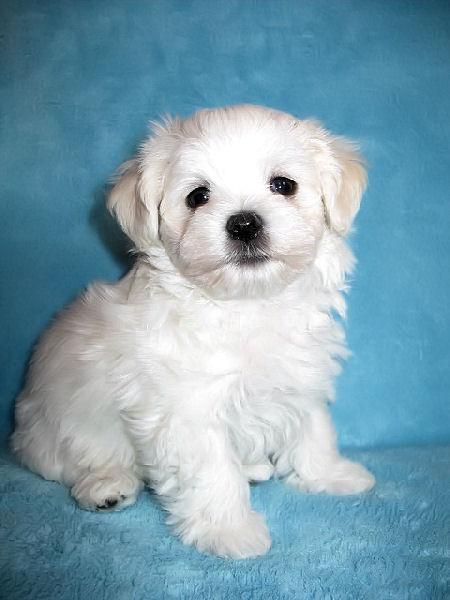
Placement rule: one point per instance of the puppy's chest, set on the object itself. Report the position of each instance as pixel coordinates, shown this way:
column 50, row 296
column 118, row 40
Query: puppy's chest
column 260, row 347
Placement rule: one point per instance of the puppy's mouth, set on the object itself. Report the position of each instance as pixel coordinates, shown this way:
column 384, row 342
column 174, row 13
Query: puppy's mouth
column 251, row 261
column 248, row 255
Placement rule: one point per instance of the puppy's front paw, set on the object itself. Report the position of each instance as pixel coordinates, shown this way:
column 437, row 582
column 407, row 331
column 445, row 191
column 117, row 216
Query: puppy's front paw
column 341, row 478
column 242, row 539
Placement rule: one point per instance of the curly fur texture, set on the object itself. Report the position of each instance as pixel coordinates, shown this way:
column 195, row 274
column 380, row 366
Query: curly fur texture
column 202, row 370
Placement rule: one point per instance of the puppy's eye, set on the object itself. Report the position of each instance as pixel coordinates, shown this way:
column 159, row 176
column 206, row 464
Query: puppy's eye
column 197, row 197
column 283, row 186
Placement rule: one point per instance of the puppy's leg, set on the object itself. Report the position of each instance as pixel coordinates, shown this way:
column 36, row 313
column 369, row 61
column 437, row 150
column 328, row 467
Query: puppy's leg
column 314, row 464
column 83, row 447
column 201, row 484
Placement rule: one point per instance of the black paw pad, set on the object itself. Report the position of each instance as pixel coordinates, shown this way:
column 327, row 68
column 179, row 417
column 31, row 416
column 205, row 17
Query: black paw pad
column 109, row 503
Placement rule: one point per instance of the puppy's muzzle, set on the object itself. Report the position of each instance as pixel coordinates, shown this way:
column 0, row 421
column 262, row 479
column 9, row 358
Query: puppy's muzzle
column 244, row 226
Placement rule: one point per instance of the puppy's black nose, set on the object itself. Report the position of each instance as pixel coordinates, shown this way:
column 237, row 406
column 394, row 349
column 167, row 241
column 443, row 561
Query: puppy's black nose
column 244, row 226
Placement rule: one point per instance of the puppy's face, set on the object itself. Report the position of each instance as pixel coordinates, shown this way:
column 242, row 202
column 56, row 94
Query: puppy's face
column 239, row 197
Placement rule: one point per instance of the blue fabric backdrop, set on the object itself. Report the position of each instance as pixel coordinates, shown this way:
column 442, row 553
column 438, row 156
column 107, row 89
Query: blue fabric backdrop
column 79, row 81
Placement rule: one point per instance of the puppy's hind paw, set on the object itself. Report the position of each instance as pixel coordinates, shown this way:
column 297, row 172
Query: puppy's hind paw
column 341, row 478
column 106, row 491
column 261, row 472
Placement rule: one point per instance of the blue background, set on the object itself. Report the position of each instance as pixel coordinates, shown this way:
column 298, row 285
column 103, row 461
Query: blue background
column 80, row 80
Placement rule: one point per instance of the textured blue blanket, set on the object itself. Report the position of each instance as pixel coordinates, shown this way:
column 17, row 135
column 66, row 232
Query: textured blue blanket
column 390, row 544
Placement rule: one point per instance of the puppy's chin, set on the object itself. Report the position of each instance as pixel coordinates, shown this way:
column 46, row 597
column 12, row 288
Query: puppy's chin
column 249, row 278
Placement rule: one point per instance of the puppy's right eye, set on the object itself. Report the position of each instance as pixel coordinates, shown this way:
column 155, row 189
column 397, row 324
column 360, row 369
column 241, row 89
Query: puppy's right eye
column 197, row 197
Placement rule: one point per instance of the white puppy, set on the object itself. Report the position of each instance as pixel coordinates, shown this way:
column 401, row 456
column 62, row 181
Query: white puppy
column 211, row 363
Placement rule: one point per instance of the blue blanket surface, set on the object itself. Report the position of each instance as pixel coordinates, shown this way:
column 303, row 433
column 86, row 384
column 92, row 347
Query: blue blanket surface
column 391, row 543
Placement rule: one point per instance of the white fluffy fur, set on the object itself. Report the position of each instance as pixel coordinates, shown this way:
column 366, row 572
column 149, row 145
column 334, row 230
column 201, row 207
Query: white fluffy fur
column 193, row 373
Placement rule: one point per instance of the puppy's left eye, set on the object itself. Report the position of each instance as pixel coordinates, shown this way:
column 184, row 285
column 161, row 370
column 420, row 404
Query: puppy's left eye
column 283, row 186
column 197, row 197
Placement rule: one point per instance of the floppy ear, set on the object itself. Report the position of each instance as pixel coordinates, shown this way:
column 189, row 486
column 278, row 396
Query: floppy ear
column 342, row 176
column 138, row 187
column 138, row 220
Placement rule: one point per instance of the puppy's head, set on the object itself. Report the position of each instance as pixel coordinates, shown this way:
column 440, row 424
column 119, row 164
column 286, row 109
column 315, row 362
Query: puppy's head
column 240, row 197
